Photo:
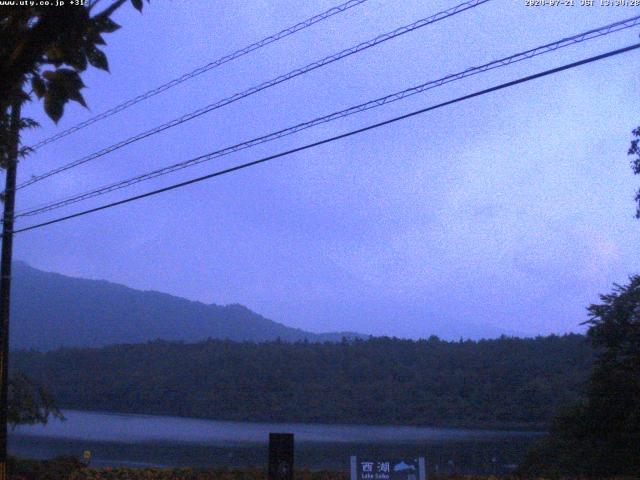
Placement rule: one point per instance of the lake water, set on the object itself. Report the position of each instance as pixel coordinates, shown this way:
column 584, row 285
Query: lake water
column 139, row 440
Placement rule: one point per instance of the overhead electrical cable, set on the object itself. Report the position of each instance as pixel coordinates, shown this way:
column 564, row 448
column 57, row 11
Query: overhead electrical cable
column 253, row 90
column 336, row 137
column 550, row 47
column 200, row 70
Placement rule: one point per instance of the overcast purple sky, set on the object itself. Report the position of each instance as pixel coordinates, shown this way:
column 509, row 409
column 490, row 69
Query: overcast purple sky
column 509, row 212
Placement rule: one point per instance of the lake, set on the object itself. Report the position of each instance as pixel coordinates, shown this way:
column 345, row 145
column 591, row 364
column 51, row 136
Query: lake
column 149, row 440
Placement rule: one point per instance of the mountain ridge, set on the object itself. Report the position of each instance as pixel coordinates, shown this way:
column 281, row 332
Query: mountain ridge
column 78, row 312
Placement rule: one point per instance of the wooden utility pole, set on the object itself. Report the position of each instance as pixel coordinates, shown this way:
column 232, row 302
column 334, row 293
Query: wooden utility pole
column 11, row 164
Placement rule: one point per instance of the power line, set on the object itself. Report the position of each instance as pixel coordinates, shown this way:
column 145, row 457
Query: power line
column 588, row 35
column 336, row 137
column 253, row 90
column 205, row 68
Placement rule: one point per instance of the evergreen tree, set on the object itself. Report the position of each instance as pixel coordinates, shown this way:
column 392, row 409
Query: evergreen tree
column 602, row 435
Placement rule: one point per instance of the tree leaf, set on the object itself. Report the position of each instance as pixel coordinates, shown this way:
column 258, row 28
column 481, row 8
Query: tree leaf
column 55, row 54
column 77, row 59
column 54, row 105
column 98, row 59
column 70, row 79
column 28, row 123
column 137, row 4
column 76, row 96
column 95, row 38
column 38, row 86
column 106, row 25
column 66, row 84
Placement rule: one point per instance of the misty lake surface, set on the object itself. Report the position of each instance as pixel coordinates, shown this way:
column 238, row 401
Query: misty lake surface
column 140, row 440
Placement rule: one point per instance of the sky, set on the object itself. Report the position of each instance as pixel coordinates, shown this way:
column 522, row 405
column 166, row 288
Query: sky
column 507, row 213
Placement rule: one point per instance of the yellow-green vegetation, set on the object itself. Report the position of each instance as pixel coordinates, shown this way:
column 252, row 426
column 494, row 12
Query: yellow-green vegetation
column 191, row 474
column 69, row 468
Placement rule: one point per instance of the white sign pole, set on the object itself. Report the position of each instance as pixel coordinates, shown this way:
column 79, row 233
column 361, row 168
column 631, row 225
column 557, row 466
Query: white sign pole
column 354, row 468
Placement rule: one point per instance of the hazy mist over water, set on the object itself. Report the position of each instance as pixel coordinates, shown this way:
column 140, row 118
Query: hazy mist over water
column 150, row 428
column 149, row 440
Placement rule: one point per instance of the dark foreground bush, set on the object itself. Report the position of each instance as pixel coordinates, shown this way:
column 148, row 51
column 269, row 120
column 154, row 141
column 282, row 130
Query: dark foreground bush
column 56, row 469
column 69, row 468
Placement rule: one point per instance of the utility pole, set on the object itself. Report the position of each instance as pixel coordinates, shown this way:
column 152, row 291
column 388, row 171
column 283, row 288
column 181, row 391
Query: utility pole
column 11, row 153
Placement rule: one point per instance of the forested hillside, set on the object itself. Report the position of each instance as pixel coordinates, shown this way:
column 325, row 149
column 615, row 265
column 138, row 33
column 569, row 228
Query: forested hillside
column 503, row 383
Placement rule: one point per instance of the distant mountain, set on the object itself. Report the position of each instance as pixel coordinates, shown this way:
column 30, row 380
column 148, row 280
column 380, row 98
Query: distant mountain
column 50, row 310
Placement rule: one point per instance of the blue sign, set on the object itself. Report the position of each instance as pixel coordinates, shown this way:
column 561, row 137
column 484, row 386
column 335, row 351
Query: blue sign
column 387, row 469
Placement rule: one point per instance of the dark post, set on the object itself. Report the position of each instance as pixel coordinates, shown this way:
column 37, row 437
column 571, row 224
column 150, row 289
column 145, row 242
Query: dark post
column 5, row 276
column 281, row 456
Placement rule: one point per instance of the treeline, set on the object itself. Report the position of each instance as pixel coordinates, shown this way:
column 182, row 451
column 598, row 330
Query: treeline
column 502, row 383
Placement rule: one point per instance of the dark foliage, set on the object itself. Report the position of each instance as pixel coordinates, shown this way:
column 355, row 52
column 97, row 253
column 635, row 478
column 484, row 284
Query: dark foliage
column 503, row 383
column 634, row 149
column 69, row 468
column 601, row 436
column 55, row 469
column 49, row 47
column 28, row 402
